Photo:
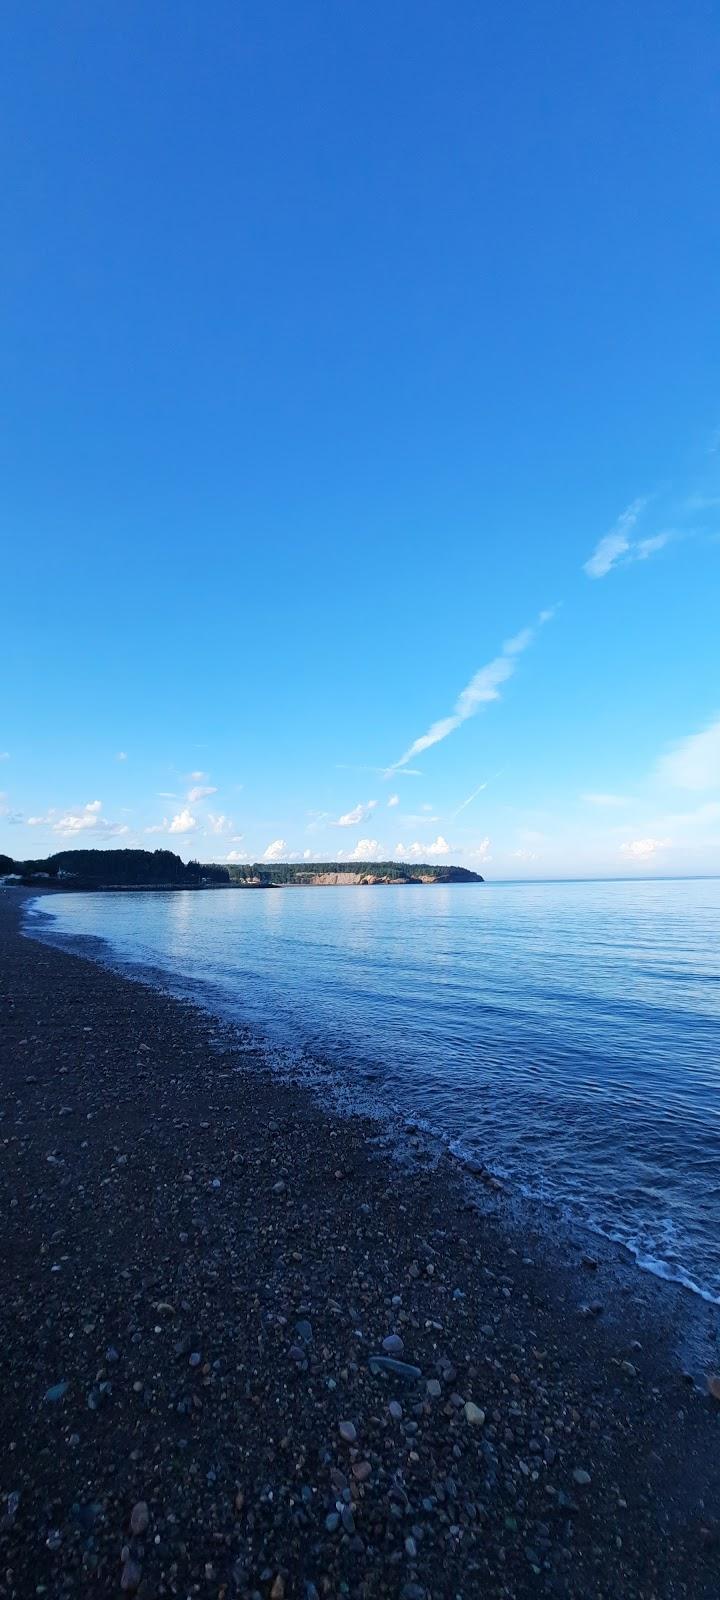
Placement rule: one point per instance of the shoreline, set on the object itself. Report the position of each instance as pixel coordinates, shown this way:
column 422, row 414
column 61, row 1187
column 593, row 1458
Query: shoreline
column 694, row 1310
column 153, row 1179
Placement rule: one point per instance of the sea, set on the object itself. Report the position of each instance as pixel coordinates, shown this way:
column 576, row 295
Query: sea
column 566, row 1035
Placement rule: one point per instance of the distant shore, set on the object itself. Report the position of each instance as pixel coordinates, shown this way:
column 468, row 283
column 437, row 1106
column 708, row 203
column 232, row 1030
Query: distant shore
column 199, row 1264
column 89, row 870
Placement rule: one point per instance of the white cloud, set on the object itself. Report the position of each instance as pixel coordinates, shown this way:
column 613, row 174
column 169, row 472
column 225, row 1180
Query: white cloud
column 200, row 792
column 617, row 548
column 615, row 544
column 236, row 855
column 88, row 819
column 75, row 822
column 217, row 823
column 524, row 855
column 648, row 547
column 275, row 851
column 365, row 850
column 39, row 822
column 607, row 799
column 358, row 814
column 184, row 822
column 693, row 763
column 197, row 777
column 519, row 642
column 482, row 688
column 643, row 849
column 121, row 755
column 424, row 852
column 394, row 800
column 481, row 852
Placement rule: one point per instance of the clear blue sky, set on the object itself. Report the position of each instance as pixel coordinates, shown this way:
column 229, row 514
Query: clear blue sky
column 341, row 341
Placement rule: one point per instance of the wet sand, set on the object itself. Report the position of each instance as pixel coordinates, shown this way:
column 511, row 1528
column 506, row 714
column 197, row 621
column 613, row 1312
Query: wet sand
column 198, row 1265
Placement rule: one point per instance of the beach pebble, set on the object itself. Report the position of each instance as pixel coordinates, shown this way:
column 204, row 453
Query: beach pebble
column 434, row 1388
column 56, row 1392
column 130, row 1576
column 332, row 1521
column 581, row 1477
column 280, row 1186
column 393, row 1345
column 400, row 1369
column 139, row 1518
column 348, row 1432
column 473, row 1414
column 395, row 1410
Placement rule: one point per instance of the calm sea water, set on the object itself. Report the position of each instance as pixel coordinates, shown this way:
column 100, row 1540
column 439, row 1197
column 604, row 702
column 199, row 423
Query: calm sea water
column 567, row 1034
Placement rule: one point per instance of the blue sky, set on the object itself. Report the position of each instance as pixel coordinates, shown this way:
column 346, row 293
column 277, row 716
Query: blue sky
column 360, row 457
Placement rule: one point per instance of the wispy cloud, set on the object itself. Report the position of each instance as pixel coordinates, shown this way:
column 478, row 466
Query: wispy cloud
column 236, row 855
column 616, row 548
column 350, row 819
column 482, row 688
column 694, row 762
column 121, row 755
column 608, row 799
column 4, row 755
column 381, row 772
column 394, row 800
column 200, row 792
column 643, row 849
column 616, row 543
column 470, row 799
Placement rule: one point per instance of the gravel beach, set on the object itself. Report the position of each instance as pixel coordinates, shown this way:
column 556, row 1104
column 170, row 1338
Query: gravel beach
column 199, row 1266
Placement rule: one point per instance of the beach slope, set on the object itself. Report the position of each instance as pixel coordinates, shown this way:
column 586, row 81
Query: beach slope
column 198, row 1265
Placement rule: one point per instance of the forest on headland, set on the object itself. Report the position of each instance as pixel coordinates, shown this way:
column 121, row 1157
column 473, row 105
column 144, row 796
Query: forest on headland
column 160, row 869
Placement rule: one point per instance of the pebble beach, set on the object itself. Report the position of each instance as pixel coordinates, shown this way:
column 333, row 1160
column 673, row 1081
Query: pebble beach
column 246, row 1354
